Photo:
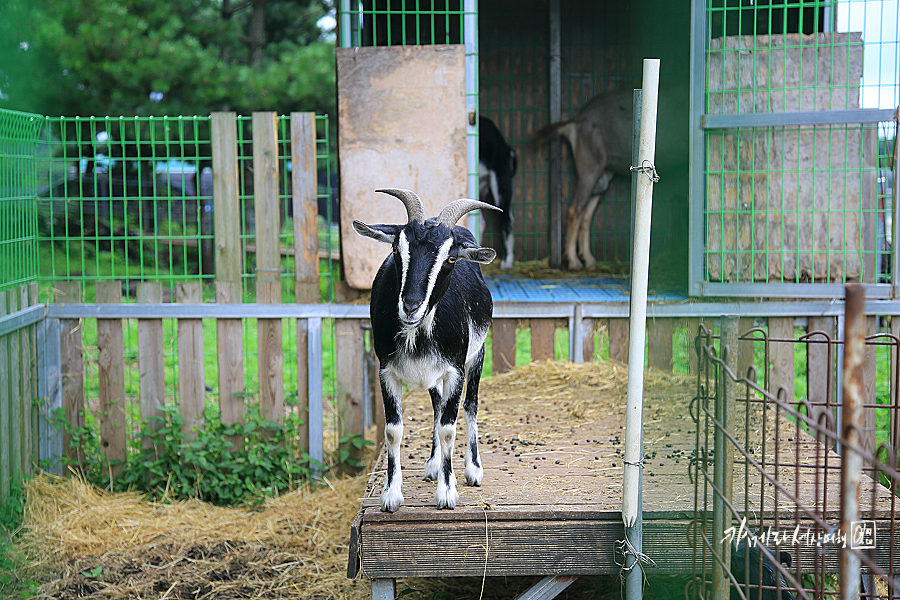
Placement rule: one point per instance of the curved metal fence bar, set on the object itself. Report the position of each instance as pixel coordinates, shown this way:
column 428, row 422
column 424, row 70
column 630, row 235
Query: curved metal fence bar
column 779, row 527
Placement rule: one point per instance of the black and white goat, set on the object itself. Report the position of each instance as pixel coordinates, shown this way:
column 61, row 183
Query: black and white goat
column 497, row 165
column 431, row 311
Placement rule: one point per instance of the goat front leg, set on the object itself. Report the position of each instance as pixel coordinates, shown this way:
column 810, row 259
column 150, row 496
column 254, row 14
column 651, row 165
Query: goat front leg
column 474, row 470
column 433, row 464
column 391, row 391
column 446, row 495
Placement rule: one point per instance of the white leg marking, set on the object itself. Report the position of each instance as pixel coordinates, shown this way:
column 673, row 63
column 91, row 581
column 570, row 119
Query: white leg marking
column 446, row 495
column 474, row 473
column 392, row 495
column 433, row 464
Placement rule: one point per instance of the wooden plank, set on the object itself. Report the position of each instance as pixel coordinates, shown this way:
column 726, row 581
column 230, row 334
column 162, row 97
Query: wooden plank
column 268, row 264
column 659, row 348
column 543, row 339
column 781, row 356
column 895, row 392
column 5, row 411
column 503, row 345
column 227, row 213
column 31, row 424
column 191, row 384
column 618, row 340
column 111, row 379
column 27, row 364
column 151, row 366
column 867, row 437
column 692, row 327
column 820, row 358
column 587, row 340
column 229, row 339
column 305, row 190
column 348, row 381
column 745, row 347
column 72, row 351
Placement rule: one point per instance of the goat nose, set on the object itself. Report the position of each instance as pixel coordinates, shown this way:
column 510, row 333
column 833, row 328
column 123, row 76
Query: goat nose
column 410, row 305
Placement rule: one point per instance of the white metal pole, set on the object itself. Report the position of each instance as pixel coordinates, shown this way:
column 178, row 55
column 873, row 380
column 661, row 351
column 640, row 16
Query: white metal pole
column 470, row 35
column 640, row 266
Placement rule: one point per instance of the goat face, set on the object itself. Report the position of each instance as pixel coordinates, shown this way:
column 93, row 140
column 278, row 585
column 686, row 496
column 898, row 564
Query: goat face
column 423, row 257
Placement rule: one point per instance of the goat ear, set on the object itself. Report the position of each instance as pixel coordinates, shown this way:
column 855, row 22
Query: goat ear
column 477, row 254
column 379, row 233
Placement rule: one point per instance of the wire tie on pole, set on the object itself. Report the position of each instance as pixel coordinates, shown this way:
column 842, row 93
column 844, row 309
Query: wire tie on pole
column 648, row 169
column 637, row 463
column 626, row 548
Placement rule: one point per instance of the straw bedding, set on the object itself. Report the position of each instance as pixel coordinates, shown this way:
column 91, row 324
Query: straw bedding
column 78, row 541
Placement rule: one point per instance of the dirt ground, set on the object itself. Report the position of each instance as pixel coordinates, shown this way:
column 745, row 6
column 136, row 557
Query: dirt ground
column 78, row 542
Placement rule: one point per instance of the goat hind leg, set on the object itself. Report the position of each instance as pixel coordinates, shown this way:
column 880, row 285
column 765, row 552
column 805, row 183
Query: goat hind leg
column 474, row 470
column 572, row 259
column 584, row 234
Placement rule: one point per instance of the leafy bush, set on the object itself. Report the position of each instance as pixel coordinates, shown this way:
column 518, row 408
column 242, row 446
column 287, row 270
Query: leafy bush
column 225, row 465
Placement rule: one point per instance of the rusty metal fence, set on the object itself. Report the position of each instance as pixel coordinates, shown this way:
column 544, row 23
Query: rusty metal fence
column 789, row 505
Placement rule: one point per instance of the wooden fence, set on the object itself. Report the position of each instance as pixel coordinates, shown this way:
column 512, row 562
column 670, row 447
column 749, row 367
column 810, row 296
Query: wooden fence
column 43, row 358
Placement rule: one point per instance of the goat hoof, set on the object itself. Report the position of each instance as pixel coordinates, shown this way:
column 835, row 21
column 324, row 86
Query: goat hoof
column 391, row 500
column 474, row 475
column 446, row 498
column 432, row 469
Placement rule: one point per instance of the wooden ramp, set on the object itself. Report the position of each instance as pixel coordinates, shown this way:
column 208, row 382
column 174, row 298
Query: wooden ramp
column 551, row 438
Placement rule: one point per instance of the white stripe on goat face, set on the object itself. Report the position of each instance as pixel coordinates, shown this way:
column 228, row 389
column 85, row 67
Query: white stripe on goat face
column 405, row 256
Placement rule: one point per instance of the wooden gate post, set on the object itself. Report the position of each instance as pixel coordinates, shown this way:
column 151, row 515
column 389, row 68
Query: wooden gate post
column 268, row 264
column 503, row 343
column 72, row 351
column 151, row 366
column 348, row 353
column 191, row 384
column 230, row 343
column 304, row 185
column 111, row 379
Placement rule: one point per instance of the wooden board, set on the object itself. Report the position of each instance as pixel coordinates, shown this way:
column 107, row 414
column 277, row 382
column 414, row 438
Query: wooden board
column 543, row 339
column 111, row 379
column 151, row 367
column 550, row 500
column 402, row 124
column 268, row 264
column 191, row 385
column 503, row 345
column 72, row 368
column 303, row 184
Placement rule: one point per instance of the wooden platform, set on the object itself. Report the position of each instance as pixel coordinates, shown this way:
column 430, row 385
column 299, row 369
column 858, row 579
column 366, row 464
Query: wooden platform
column 550, row 502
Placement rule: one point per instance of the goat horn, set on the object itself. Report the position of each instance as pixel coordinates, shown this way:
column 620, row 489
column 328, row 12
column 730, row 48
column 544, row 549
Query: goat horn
column 414, row 209
column 454, row 211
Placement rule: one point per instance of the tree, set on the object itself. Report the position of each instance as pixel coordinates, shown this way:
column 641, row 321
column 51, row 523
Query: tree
column 179, row 57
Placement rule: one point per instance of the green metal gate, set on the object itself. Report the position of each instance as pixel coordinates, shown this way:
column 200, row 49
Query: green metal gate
column 792, row 151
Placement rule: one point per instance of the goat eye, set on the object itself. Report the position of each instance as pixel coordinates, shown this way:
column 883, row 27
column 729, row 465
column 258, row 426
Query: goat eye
column 451, row 259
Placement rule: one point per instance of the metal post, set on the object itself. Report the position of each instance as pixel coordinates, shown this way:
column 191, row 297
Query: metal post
column 851, row 425
column 470, row 37
column 314, row 355
column 723, row 459
column 384, row 589
column 555, row 151
column 635, row 534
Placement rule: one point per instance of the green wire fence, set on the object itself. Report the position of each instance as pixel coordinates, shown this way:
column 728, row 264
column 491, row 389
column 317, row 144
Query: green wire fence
column 19, row 166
